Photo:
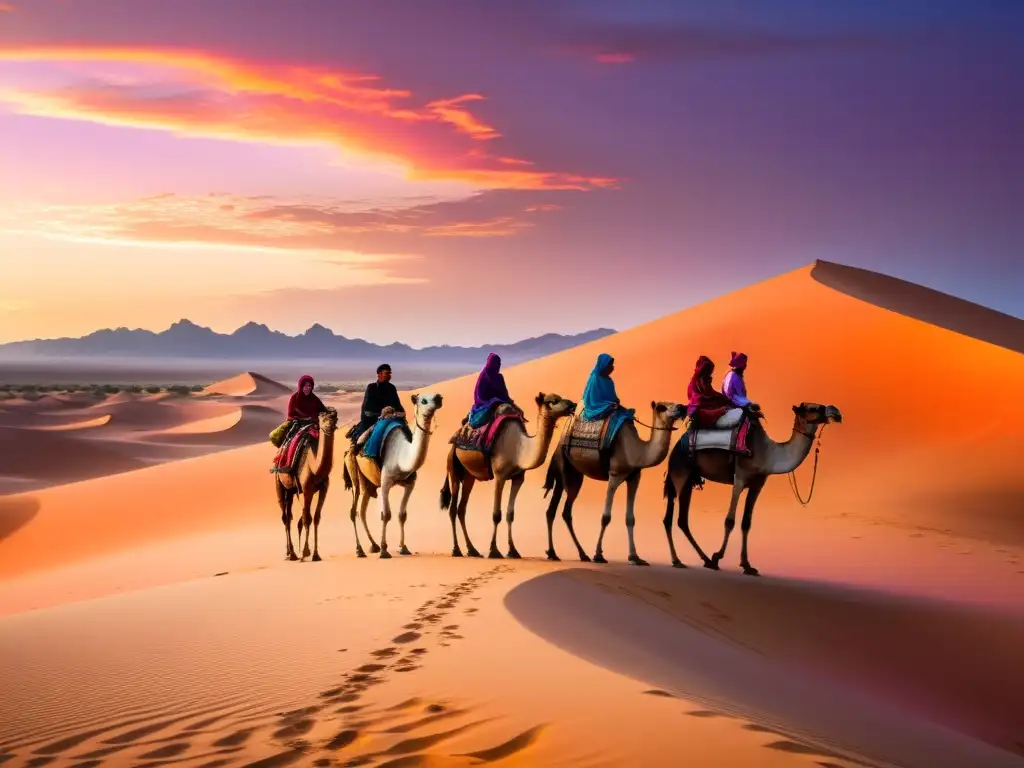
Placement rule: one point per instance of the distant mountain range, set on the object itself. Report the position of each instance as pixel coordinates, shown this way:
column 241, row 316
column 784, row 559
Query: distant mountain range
column 256, row 342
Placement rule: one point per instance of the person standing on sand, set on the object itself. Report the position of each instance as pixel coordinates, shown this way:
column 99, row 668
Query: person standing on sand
column 380, row 394
column 734, row 386
column 489, row 393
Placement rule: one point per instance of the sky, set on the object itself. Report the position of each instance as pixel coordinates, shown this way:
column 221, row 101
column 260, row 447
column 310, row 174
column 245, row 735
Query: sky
column 481, row 171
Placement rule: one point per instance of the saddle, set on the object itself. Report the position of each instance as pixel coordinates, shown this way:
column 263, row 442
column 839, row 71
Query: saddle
column 728, row 434
column 468, row 438
column 290, row 453
column 583, row 442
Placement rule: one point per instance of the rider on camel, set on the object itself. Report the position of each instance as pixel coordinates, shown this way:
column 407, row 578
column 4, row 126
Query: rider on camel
column 600, row 400
column 706, row 404
column 303, row 408
column 733, row 384
column 490, row 392
column 380, row 400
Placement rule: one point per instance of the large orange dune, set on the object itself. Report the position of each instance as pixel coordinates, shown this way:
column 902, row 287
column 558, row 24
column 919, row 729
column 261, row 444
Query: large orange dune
column 148, row 616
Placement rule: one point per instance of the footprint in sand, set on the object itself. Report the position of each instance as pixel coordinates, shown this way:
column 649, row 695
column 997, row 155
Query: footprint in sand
column 706, row 713
column 406, row 637
column 659, row 692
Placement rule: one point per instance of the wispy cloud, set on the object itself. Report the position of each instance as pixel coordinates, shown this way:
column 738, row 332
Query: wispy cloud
column 206, row 94
column 7, row 8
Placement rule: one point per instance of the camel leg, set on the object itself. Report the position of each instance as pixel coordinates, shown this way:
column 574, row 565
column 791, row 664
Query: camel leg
column 499, row 488
column 556, row 497
column 403, row 515
column 320, row 499
column 730, row 523
column 573, row 486
column 614, row 481
column 284, row 499
column 670, row 500
column 510, row 515
column 364, row 500
column 467, row 486
column 748, row 514
column 632, row 484
column 385, row 514
column 374, row 549
column 357, row 483
column 306, row 521
column 685, row 498
column 453, row 512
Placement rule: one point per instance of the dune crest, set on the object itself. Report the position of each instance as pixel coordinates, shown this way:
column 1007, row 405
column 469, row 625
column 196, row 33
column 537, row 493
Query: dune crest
column 248, row 384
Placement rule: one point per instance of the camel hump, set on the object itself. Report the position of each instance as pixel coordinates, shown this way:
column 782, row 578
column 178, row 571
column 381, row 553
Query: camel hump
column 730, row 433
column 481, row 438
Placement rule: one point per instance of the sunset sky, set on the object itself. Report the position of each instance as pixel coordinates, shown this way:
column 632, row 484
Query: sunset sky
column 471, row 171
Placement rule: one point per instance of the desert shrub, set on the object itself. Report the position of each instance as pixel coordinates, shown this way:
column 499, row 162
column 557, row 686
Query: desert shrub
column 328, row 389
column 135, row 389
column 5, row 387
column 153, row 390
column 111, row 389
column 198, row 387
column 27, row 389
column 178, row 389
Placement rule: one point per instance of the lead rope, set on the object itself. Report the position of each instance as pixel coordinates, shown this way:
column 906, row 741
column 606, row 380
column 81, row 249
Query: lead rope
column 794, row 486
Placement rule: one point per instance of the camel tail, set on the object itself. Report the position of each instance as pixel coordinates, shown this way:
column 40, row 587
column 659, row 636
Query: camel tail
column 446, row 493
column 551, row 479
column 347, row 477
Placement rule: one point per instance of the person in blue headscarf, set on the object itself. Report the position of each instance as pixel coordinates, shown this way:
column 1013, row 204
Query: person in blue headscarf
column 600, row 400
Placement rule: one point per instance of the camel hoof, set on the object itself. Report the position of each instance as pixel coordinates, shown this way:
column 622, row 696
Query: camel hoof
column 712, row 564
column 514, row 554
column 316, row 557
column 404, row 550
column 474, row 553
column 678, row 564
column 385, row 555
column 750, row 570
column 495, row 555
column 637, row 560
column 374, row 549
column 456, row 552
column 599, row 558
column 584, row 557
column 291, row 556
column 360, row 553
column 552, row 556
column 305, row 554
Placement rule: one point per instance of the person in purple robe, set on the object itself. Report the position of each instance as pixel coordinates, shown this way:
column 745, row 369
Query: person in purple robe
column 490, row 392
column 734, row 386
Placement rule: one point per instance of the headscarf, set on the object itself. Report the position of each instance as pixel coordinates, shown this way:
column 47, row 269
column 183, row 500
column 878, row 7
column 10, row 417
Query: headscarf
column 303, row 406
column 701, row 393
column 599, row 395
column 738, row 360
column 490, row 385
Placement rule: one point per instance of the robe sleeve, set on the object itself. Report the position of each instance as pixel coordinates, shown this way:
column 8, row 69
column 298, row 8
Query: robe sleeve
column 368, row 401
column 393, row 400
column 292, row 413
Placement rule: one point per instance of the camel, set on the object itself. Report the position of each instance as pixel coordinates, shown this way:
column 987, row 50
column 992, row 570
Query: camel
column 629, row 454
column 400, row 460
column 741, row 472
column 313, row 476
column 513, row 453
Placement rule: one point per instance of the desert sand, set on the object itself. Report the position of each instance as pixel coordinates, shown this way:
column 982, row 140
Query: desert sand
column 148, row 617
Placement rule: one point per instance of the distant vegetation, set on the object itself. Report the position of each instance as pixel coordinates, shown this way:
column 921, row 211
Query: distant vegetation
column 32, row 391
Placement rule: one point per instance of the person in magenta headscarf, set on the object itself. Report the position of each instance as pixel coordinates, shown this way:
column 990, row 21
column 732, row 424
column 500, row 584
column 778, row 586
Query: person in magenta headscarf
column 706, row 404
column 303, row 407
column 490, row 392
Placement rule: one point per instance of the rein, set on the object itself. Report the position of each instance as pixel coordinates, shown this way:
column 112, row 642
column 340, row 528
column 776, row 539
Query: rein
column 814, row 474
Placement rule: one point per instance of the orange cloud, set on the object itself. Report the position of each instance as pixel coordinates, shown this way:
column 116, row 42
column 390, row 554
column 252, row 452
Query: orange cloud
column 291, row 104
column 6, row 8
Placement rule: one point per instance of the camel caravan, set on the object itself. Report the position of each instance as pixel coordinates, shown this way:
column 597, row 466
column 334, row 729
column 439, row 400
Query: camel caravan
column 722, row 441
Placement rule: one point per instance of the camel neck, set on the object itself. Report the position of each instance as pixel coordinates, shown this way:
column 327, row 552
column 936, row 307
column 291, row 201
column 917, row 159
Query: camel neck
column 653, row 451
column 783, row 458
column 323, row 455
column 533, row 450
column 413, row 454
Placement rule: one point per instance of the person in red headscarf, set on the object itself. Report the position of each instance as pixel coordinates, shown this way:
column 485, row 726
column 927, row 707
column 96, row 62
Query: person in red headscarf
column 706, row 404
column 303, row 405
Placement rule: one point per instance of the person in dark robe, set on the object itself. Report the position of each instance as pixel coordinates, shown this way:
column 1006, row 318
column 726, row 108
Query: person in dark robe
column 706, row 404
column 490, row 392
column 380, row 394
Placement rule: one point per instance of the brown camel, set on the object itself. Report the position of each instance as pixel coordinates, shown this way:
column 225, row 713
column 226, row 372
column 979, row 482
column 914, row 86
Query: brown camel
column 313, row 476
column 621, row 463
column 741, row 472
column 400, row 458
column 512, row 455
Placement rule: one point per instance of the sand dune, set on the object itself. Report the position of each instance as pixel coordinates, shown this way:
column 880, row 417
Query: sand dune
column 248, row 384
column 99, row 421
column 885, row 629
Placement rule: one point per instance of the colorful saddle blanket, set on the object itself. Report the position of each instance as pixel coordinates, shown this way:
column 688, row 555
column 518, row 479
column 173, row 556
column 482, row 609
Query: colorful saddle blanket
column 375, row 442
column 288, row 456
column 482, row 438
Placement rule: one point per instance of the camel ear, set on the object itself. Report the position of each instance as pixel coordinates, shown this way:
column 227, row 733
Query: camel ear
column 797, row 409
column 540, row 398
column 659, row 408
column 414, row 398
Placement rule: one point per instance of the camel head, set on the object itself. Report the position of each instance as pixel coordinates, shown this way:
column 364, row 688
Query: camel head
column 328, row 421
column 554, row 406
column 814, row 414
column 425, row 406
column 666, row 413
